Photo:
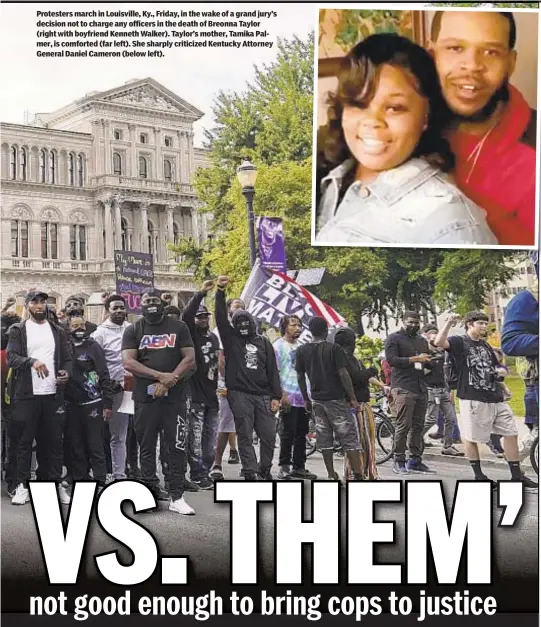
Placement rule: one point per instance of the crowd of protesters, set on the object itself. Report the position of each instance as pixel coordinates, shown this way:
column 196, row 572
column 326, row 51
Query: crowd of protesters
column 194, row 391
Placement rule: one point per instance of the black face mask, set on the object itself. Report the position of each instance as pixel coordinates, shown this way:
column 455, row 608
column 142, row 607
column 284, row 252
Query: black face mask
column 78, row 335
column 244, row 324
column 39, row 316
column 153, row 313
column 413, row 330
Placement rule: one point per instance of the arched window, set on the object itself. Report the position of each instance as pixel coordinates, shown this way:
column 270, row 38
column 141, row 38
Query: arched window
column 167, row 170
column 52, row 167
column 43, row 166
column 49, row 240
column 187, row 224
column 78, row 242
column 80, row 170
column 142, row 168
column 23, row 164
column 117, row 164
column 150, row 237
column 19, row 238
column 71, row 169
column 124, row 234
column 13, row 163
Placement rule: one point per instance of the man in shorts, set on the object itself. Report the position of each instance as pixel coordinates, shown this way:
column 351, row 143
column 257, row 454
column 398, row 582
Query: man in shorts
column 480, row 395
column 331, row 389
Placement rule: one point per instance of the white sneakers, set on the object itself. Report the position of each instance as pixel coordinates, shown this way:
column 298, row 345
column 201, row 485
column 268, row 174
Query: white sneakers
column 63, row 494
column 181, row 507
column 21, row 495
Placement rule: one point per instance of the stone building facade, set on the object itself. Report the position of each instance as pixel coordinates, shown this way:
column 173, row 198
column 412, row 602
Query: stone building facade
column 111, row 171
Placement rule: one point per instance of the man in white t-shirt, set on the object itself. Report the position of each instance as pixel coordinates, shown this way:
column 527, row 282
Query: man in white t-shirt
column 39, row 354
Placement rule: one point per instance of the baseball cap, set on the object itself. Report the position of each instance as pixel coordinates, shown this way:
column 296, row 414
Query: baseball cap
column 33, row 295
column 202, row 311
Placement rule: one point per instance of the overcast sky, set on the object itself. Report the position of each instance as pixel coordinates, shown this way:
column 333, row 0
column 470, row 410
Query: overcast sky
column 195, row 74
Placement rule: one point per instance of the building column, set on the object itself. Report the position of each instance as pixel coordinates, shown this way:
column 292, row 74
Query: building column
column 108, row 226
column 184, row 165
column 98, row 228
column 64, row 244
column 35, row 239
column 190, row 157
column 132, row 168
column 159, row 156
column 107, row 147
column 118, row 223
column 96, row 133
column 144, row 224
column 195, row 225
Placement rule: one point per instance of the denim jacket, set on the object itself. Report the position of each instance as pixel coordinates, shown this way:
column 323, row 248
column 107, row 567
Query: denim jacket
column 414, row 203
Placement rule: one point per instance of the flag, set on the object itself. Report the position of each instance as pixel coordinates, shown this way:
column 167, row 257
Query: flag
column 270, row 295
column 272, row 251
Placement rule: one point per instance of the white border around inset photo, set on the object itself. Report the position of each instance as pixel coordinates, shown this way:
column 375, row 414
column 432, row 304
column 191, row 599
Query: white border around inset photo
column 415, row 6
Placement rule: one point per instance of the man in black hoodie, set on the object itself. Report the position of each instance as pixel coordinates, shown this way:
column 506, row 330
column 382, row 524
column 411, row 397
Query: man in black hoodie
column 89, row 397
column 253, row 385
column 40, row 356
column 203, row 409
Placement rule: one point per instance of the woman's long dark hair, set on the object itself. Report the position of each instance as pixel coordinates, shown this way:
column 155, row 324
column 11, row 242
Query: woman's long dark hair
column 357, row 80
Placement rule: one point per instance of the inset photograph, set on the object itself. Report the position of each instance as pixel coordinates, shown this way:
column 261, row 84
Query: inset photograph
column 426, row 128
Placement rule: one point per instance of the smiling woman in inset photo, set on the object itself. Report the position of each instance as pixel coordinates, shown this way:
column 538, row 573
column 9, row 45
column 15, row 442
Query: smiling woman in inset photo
column 387, row 156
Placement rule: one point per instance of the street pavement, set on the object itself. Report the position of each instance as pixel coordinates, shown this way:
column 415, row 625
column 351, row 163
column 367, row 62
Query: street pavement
column 206, row 536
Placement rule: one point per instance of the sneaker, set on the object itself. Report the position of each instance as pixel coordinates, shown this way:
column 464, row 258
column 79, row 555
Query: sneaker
column 527, row 482
column 181, row 507
column 399, row 468
column 436, row 436
column 134, row 474
column 233, row 457
column 250, row 476
column 419, row 467
column 190, row 486
column 485, row 478
column 302, row 473
column 11, row 491
column 452, row 451
column 108, row 479
column 336, row 477
column 284, row 474
column 264, row 475
column 204, row 484
column 63, row 495
column 216, row 473
column 21, row 495
column 357, row 477
column 428, row 444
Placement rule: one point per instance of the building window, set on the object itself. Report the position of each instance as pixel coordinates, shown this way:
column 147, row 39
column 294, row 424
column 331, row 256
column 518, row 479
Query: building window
column 150, row 238
column 49, row 240
column 19, row 238
column 142, row 168
column 168, row 141
column 117, row 163
column 117, row 133
column 78, row 242
column 80, row 170
column 124, row 234
column 13, row 163
column 23, row 164
column 52, row 167
column 187, row 230
column 175, row 233
column 167, row 170
column 42, row 166
column 143, row 139
column 71, row 169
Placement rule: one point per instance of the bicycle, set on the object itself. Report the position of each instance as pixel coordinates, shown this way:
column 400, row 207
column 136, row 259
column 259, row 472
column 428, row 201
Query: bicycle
column 534, row 455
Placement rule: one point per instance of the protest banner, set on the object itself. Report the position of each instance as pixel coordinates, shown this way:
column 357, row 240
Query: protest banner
column 134, row 273
column 270, row 237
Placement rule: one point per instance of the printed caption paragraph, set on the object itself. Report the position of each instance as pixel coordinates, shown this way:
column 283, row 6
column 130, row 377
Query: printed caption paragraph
column 311, row 607
column 133, row 33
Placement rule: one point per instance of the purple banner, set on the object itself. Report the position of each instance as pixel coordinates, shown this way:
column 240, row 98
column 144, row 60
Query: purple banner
column 272, row 250
column 134, row 276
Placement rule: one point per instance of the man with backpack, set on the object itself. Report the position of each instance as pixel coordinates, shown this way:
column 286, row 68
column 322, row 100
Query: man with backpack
column 158, row 351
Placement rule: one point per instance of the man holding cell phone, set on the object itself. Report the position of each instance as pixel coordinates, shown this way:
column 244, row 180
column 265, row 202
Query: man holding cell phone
column 158, row 351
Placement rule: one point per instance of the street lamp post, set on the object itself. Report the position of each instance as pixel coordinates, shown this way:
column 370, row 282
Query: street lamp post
column 247, row 175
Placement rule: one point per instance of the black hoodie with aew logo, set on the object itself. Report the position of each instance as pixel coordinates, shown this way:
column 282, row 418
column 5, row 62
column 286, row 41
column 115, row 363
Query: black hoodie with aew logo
column 250, row 361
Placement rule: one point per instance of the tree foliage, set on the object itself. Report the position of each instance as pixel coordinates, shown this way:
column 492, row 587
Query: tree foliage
column 270, row 122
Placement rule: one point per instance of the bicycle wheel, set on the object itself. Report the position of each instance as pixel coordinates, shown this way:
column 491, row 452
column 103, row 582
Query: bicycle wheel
column 534, row 455
column 310, row 445
column 384, row 438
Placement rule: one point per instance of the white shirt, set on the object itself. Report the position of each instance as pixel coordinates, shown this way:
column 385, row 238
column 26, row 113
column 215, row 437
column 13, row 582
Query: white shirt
column 41, row 345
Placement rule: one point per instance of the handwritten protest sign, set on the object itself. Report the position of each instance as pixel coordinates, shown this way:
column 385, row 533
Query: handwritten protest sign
column 134, row 275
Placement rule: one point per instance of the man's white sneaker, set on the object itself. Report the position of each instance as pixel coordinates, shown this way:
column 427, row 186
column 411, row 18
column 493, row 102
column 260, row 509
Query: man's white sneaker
column 63, row 495
column 181, row 507
column 21, row 495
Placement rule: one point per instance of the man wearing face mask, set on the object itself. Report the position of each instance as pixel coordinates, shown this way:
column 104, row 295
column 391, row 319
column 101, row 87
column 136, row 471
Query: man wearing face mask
column 75, row 307
column 40, row 356
column 158, row 351
column 253, row 385
column 203, row 412
column 109, row 336
column 408, row 355
column 89, row 402
column 494, row 133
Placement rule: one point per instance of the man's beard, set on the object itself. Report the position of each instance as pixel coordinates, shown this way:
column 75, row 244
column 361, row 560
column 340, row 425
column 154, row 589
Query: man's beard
column 503, row 94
